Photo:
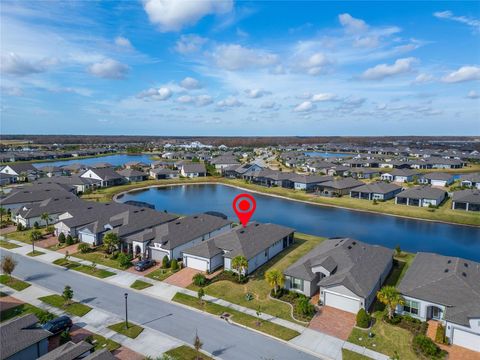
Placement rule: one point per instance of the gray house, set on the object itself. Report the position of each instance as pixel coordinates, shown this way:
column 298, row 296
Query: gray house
column 421, row 196
column 346, row 272
column 338, row 187
column 471, row 180
column 133, row 175
column 445, row 289
column 376, row 191
column 437, row 179
column 468, row 200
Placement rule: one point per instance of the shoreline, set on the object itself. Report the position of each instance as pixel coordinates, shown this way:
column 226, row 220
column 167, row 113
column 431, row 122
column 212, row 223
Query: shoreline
column 115, row 197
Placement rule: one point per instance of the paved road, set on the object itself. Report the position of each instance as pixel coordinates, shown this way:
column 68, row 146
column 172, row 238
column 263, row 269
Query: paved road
column 220, row 338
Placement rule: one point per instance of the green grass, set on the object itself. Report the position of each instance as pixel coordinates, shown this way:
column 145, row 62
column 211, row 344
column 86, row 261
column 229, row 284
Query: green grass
column 132, row 332
column 99, row 343
column 266, row 327
column 351, row 355
column 24, row 236
column 140, row 285
column 258, row 286
column 101, row 258
column 187, row 353
column 73, row 265
column 24, row 309
column 8, row 245
column 159, row 274
column 35, row 253
column 74, row 308
column 14, row 283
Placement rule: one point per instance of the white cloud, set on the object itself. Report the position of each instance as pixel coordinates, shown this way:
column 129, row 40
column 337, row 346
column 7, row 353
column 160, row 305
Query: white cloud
column 304, row 107
column 190, row 83
column 189, row 43
column 237, row 57
column 351, row 24
column 123, row 42
column 173, row 15
column 160, row 94
column 108, row 69
column 423, row 78
column 269, row 105
column 203, row 100
column 472, row 94
column 314, row 64
column 465, row 73
column 14, row 64
column 230, row 101
column 382, row 71
column 256, row 93
column 185, row 99
column 12, row 91
column 323, row 97
column 448, row 15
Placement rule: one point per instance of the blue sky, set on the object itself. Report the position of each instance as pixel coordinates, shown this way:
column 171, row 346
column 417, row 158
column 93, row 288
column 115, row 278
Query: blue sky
column 174, row 67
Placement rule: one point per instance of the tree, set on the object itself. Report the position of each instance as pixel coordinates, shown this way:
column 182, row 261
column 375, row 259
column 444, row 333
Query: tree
column 2, row 212
column 83, row 248
column 391, row 298
column 165, row 262
column 61, row 238
column 200, row 294
column 35, row 235
column 275, row 279
column 111, row 242
column 197, row 344
column 8, row 265
column 199, row 279
column 363, row 319
column 174, row 265
column 67, row 294
column 69, row 240
column 240, row 264
column 45, row 217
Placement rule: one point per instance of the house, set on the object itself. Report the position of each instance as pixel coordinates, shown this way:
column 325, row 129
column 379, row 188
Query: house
column 50, row 171
column 172, row 238
column 77, row 182
column 421, row 196
column 22, row 338
column 6, row 179
column 470, row 180
column 375, row 191
column 337, row 170
column 337, row 187
column 400, row 175
column 359, row 173
column 444, row 289
column 70, row 351
column 224, row 161
column 257, row 242
column 437, row 179
column 468, row 200
column 133, row 175
column 245, row 171
column 106, row 175
column 268, row 177
column 31, row 194
column 308, row 182
column 21, row 172
column 192, row 170
column 163, row 173
column 136, row 165
column 346, row 272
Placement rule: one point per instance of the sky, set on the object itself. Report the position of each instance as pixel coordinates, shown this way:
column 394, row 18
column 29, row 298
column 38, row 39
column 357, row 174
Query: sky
column 232, row 68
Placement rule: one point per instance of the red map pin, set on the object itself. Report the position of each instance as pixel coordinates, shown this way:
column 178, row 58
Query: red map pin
column 244, row 206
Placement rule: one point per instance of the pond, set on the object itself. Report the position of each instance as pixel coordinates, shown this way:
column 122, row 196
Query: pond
column 115, row 160
column 411, row 235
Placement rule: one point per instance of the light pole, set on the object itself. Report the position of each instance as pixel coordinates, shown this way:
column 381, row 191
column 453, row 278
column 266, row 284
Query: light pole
column 126, row 311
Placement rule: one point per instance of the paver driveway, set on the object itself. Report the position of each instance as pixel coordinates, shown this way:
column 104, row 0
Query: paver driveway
column 333, row 322
column 182, row 278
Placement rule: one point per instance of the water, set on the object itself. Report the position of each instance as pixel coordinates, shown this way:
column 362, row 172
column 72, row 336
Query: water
column 327, row 154
column 115, row 160
column 411, row 235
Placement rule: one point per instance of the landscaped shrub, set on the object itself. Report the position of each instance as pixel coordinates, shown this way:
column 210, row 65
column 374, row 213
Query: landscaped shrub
column 174, row 265
column 83, row 248
column 124, row 260
column 19, row 227
column 199, row 279
column 35, row 225
column 69, row 240
column 230, row 276
column 363, row 319
column 424, row 345
column 249, row 296
column 440, row 334
column 305, row 307
column 50, row 229
column 43, row 316
column 61, row 238
column 65, row 337
column 165, row 262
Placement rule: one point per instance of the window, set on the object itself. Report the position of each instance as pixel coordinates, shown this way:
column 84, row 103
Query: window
column 411, row 307
column 297, row 284
column 266, row 253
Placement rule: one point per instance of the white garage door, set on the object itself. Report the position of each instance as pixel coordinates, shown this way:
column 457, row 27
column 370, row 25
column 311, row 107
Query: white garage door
column 466, row 339
column 195, row 263
column 157, row 254
column 342, row 302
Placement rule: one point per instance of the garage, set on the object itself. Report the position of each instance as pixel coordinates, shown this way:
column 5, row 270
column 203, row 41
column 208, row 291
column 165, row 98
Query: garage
column 157, row 254
column 342, row 302
column 196, row 263
column 466, row 339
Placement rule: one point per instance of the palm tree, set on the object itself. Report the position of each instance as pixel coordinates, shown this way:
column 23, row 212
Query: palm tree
column 391, row 298
column 197, row 344
column 45, row 217
column 240, row 264
column 34, row 236
column 110, row 240
column 275, row 279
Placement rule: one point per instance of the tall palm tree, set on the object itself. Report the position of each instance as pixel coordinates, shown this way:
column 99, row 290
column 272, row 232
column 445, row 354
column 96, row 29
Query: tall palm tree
column 45, row 217
column 391, row 298
column 275, row 279
column 34, row 236
column 240, row 264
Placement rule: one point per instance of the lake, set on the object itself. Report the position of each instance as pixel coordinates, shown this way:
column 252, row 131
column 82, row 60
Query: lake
column 327, row 154
column 411, row 235
column 115, row 160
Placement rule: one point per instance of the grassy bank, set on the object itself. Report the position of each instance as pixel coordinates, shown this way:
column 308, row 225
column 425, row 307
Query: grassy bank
column 13, row 282
column 186, row 353
column 132, row 331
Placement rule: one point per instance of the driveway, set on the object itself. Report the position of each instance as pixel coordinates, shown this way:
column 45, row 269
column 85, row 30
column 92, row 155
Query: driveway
column 132, row 270
column 8, row 302
column 182, row 278
column 334, row 322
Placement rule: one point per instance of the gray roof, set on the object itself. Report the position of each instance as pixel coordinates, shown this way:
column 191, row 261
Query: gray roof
column 68, row 351
column 473, row 177
column 103, row 354
column 73, row 180
column 19, row 168
column 346, row 183
column 53, row 205
column 310, row 179
column 438, row 176
column 422, row 192
column 19, row 333
column 446, row 280
column 194, row 168
column 130, row 173
column 403, row 172
column 106, row 173
column 163, row 171
column 379, row 187
column 34, row 193
column 355, row 265
column 471, row 196
column 248, row 241
column 226, row 159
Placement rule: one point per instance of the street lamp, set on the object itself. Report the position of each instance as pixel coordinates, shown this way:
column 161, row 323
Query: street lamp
column 126, row 311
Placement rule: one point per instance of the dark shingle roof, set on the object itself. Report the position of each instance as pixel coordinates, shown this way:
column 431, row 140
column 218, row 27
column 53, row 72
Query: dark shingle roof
column 471, row 196
column 438, row 176
column 194, row 168
column 68, row 351
column 342, row 183
column 379, row 187
column 422, row 192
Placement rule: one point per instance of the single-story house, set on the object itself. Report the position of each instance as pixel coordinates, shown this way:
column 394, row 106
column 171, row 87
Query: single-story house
column 70, row 351
column 163, row 173
column 224, row 161
column 360, row 173
column 308, row 182
column 437, row 179
column 268, row 177
column 347, row 273
column 400, row 175
column 193, row 170
column 337, row 187
column 133, row 175
column 470, row 180
column 468, row 200
column 6, row 179
column 376, row 191
column 106, row 175
column 236, row 171
column 257, row 242
column 50, row 171
column 79, row 183
column 21, row 172
column 421, row 196
column 31, row 194
column 136, row 165
column 337, row 170
column 22, row 338
column 445, row 289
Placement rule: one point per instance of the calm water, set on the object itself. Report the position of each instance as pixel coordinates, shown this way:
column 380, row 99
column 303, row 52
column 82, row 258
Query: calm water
column 327, row 154
column 411, row 235
column 115, row 160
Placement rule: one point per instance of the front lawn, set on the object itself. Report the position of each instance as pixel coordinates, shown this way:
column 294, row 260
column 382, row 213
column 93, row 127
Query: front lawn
column 352, row 355
column 185, row 352
column 14, row 283
column 159, row 274
column 89, row 270
column 140, row 285
column 74, row 308
column 99, row 342
column 23, row 309
column 258, row 286
column 253, row 322
column 8, row 245
column 132, row 332
column 24, row 236
column 101, row 258
column 35, row 253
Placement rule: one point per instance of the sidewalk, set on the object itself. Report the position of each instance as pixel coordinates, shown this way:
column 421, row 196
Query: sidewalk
column 319, row 343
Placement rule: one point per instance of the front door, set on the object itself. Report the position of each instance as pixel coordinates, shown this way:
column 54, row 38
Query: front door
column 436, row 313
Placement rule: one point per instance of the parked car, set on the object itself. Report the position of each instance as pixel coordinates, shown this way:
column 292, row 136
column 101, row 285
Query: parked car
column 144, row 264
column 58, row 325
